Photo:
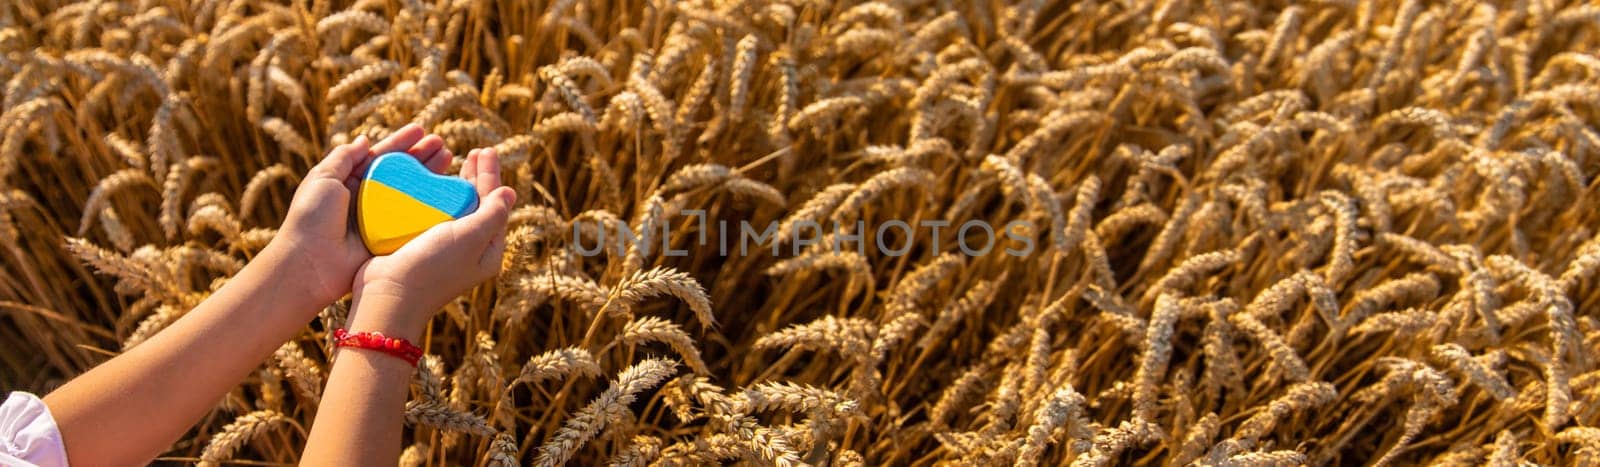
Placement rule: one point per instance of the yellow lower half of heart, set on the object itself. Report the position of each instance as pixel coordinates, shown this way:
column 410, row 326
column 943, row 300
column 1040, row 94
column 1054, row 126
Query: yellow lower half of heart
column 389, row 218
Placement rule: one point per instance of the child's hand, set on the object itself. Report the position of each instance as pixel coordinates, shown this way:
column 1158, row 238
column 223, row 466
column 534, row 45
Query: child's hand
column 398, row 293
column 317, row 240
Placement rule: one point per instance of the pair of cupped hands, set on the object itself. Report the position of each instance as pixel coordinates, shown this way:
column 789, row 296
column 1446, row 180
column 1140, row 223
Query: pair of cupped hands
column 319, row 242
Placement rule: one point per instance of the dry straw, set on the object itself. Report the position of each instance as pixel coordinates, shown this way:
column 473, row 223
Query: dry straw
column 1241, row 213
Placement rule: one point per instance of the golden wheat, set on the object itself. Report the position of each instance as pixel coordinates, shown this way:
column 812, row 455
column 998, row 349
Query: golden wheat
column 1239, row 214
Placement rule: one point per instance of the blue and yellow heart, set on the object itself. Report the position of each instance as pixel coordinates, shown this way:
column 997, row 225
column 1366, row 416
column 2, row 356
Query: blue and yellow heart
column 400, row 199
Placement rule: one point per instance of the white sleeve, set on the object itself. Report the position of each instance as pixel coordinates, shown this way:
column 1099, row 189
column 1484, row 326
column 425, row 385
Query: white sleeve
column 28, row 434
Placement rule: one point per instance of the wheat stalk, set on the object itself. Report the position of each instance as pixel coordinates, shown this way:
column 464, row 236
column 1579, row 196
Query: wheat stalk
column 663, row 281
column 236, row 434
column 1298, row 398
column 1399, row 184
column 302, row 371
column 653, row 329
column 1064, row 408
column 439, row 414
column 595, row 417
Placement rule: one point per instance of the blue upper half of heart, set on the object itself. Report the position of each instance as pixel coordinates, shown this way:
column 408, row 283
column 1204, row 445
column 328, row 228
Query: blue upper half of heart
column 400, row 171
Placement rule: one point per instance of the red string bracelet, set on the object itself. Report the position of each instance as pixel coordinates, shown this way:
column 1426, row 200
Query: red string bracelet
column 377, row 341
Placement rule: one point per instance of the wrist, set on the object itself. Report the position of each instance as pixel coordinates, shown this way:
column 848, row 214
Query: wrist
column 397, row 347
column 287, row 257
column 383, row 307
column 281, row 276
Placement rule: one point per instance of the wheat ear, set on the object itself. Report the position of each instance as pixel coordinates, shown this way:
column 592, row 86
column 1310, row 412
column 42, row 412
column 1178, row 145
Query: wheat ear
column 653, row 329
column 595, row 417
column 239, row 432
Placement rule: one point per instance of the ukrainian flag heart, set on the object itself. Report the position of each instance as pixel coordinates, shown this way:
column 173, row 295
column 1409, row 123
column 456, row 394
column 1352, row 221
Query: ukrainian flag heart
column 400, row 199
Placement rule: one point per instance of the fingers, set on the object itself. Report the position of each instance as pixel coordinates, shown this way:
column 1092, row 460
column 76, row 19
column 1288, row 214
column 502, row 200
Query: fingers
column 494, row 209
column 482, row 170
column 428, row 152
column 401, row 140
column 488, row 168
column 469, row 169
column 341, row 161
column 486, row 164
column 440, row 162
column 489, row 221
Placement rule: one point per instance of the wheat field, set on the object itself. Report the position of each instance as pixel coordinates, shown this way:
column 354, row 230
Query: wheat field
column 1264, row 233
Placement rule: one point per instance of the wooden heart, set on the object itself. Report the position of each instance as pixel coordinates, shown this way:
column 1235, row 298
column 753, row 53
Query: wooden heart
column 400, row 199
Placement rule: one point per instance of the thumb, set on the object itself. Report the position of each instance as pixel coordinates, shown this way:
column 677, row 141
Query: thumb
column 494, row 210
column 490, row 261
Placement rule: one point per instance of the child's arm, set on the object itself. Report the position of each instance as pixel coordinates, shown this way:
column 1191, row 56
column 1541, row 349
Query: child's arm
column 363, row 404
column 132, row 407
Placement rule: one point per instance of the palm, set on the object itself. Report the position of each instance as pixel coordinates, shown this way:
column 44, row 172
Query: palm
column 417, row 252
